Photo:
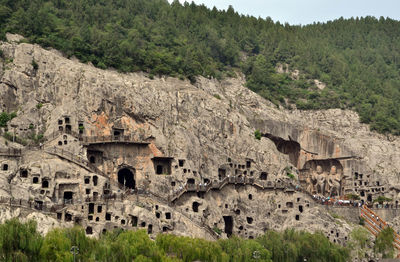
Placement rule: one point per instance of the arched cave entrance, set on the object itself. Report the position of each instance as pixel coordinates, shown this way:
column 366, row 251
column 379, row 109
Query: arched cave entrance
column 127, row 178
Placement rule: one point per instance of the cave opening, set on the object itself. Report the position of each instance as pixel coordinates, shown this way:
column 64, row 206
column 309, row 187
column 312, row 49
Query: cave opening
column 221, row 173
column 288, row 147
column 89, row 230
column 159, row 170
column 195, row 206
column 45, row 184
column 95, row 180
column 369, row 198
column 126, row 178
column 68, row 195
column 228, row 225
column 24, row 173
column 134, row 221
column 91, row 208
column 263, row 176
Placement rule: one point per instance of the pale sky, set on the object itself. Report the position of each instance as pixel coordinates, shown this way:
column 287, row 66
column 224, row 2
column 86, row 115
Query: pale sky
column 308, row 11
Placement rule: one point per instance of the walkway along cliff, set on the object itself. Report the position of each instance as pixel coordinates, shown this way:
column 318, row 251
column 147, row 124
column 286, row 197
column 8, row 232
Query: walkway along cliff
column 165, row 155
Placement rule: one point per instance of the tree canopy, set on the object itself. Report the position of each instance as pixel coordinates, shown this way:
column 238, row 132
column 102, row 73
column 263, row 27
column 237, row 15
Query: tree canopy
column 358, row 59
column 21, row 242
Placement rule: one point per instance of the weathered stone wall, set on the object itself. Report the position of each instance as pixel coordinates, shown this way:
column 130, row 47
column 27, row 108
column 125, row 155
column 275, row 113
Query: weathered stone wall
column 350, row 214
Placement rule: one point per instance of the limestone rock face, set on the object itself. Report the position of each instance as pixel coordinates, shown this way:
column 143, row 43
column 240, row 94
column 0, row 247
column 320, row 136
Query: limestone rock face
column 127, row 151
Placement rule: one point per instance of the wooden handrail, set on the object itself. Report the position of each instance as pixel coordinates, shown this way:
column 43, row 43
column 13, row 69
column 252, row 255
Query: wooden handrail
column 370, row 218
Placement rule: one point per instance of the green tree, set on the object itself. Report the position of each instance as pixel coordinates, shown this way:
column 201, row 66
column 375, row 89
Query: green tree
column 56, row 247
column 359, row 241
column 19, row 242
column 384, row 243
column 244, row 250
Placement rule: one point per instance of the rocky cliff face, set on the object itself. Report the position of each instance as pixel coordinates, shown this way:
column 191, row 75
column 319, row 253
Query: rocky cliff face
column 124, row 150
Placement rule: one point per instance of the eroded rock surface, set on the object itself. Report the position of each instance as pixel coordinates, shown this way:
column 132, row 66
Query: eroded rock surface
column 122, row 150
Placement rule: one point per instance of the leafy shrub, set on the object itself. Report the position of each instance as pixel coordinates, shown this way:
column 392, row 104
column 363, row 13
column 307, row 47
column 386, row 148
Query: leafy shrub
column 257, row 134
column 5, row 117
column 382, row 199
column 353, row 196
column 291, row 176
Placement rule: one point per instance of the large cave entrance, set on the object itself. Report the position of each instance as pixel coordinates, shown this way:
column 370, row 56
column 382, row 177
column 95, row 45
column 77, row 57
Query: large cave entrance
column 127, row 178
column 288, row 147
column 228, row 225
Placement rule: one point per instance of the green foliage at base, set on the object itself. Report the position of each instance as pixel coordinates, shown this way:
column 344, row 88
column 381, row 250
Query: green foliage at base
column 357, row 59
column 359, row 241
column 257, row 134
column 21, row 242
column 384, row 243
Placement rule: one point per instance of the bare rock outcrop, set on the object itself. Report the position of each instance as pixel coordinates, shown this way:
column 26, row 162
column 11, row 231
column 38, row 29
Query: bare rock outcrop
column 127, row 151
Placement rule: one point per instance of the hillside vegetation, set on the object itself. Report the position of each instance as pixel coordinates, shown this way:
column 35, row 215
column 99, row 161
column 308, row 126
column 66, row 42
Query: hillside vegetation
column 358, row 59
column 21, row 242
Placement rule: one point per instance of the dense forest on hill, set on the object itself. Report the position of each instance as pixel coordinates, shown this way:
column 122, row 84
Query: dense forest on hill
column 358, row 59
column 21, row 242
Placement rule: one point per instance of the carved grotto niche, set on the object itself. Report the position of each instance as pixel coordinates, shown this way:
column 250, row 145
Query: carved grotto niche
column 323, row 177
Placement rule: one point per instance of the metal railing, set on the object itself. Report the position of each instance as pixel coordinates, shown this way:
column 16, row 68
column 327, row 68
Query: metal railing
column 375, row 225
column 111, row 139
column 31, row 204
column 220, row 184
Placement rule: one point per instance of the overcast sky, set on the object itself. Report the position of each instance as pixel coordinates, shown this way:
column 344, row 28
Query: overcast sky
column 308, row 11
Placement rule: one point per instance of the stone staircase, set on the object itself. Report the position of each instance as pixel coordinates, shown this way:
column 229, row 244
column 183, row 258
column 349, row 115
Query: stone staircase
column 82, row 163
column 375, row 225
